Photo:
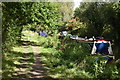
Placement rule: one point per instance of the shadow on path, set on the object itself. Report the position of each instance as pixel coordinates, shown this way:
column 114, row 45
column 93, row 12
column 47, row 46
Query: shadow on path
column 38, row 70
column 23, row 70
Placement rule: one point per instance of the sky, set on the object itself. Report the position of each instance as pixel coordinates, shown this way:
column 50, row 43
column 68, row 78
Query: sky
column 76, row 3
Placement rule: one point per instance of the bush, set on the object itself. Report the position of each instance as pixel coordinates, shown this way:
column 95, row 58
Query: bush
column 67, row 58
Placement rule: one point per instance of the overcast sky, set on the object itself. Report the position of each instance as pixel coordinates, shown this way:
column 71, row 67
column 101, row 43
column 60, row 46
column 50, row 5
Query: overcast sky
column 76, row 3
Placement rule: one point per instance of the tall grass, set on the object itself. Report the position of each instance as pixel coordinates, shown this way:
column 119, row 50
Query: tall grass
column 69, row 59
column 65, row 58
column 15, row 58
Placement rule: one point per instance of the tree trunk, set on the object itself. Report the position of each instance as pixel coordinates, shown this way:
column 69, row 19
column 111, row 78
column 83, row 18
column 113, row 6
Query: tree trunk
column 117, row 47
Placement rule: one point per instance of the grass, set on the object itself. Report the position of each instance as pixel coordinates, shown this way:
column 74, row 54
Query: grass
column 68, row 59
column 15, row 58
column 58, row 63
column 30, row 36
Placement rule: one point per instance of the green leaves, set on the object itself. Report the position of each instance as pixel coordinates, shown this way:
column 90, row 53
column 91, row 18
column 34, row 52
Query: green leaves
column 22, row 13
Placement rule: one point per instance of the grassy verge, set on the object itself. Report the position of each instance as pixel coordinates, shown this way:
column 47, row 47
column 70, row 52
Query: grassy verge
column 71, row 60
column 15, row 58
column 68, row 59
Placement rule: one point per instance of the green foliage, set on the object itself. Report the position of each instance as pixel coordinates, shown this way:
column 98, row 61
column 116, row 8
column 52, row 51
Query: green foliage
column 64, row 58
column 101, row 19
column 44, row 14
column 30, row 36
column 66, row 10
column 100, row 69
column 71, row 59
column 75, row 27
column 97, row 16
column 14, row 59
column 18, row 16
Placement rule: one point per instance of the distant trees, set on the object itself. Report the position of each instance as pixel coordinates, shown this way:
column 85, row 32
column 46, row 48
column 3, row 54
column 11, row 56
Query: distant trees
column 66, row 10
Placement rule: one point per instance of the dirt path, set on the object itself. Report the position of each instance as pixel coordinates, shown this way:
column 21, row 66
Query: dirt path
column 37, row 70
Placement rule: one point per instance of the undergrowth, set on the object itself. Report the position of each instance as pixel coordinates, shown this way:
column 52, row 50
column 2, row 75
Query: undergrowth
column 14, row 59
column 67, row 59
column 70, row 59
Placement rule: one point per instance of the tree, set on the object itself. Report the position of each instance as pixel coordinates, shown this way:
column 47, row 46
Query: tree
column 102, row 19
column 23, row 13
column 66, row 10
column 19, row 14
column 113, row 18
